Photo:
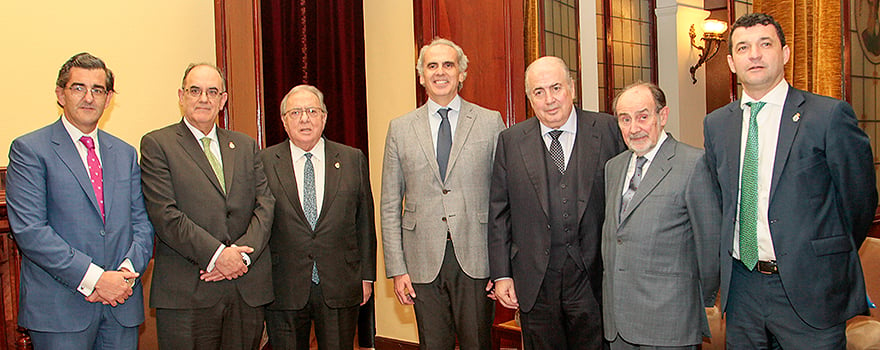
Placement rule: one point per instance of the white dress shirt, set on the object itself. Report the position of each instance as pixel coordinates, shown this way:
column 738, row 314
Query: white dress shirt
column 569, row 133
column 93, row 273
column 768, row 131
column 631, row 168
column 318, row 161
column 434, row 117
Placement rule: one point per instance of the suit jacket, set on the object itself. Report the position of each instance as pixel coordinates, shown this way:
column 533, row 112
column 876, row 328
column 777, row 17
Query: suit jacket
column 343, row 243
column 519, row 234
column 661, row 256
column 57, row 224
column 822, row 201
column 192, row 216
column 418, row 207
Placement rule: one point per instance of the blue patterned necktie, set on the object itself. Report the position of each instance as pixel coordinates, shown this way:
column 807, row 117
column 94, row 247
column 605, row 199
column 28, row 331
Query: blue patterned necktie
column 310, row 203
column 748, row 201
column 633, row 183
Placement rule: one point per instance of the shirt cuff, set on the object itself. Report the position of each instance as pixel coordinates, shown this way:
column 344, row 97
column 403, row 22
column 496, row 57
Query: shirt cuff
column 214, row 258
column 87, row 285
column 126, row 264
column 503, row 278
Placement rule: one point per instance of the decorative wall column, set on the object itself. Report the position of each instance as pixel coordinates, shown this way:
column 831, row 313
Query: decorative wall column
column 686, row 101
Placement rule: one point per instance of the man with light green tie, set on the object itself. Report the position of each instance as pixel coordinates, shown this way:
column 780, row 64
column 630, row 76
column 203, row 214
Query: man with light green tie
column 207, row 196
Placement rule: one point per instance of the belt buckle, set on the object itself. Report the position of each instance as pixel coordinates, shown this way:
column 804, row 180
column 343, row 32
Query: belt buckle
column 768, row 267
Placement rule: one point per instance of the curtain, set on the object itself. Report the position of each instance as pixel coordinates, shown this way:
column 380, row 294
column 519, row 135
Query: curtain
column 813, row 33
column 320, row 43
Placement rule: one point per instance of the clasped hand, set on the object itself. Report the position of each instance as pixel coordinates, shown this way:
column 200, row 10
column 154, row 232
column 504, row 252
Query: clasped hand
column 113, row 287
column 229, row 265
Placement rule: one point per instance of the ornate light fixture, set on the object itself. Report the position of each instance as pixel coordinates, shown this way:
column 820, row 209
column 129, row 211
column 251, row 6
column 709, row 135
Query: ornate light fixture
column 713, row 31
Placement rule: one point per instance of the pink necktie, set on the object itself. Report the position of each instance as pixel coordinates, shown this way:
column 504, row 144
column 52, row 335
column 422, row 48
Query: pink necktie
column 95, row 172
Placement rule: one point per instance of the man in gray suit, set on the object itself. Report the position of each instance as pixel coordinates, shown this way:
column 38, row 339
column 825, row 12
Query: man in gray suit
column 207, row 197
column 660, row 237
column 435, row 198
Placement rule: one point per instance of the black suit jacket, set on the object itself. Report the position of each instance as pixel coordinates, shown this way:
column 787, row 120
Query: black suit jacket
column 519, row 233
column 822, row 201
column 343, row 242
column 192, row 216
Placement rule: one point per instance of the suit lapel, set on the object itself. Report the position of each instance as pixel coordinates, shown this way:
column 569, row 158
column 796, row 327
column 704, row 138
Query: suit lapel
column 732, row 136
column 422, row 130
column 660, row 167
column 191, row 146
column 282, row 168
column 109, row 166
column 66, row 150
column 462, row 130
column 788, row 129
column 532, row 150
column 331, row 177
column 588, row 143
column 228, row 153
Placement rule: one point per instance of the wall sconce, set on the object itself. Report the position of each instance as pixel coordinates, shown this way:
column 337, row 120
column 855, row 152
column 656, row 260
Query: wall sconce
column 712, row 39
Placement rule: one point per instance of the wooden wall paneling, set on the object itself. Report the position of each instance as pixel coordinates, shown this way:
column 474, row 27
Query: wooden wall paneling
column 492, row 35
column 239, row 57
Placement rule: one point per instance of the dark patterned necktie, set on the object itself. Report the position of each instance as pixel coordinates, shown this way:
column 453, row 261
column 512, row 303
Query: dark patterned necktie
column 633, row 183
column 556, row 151
column 444, row 142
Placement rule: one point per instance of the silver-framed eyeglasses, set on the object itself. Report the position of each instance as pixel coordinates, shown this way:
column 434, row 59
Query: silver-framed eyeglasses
column 79, row 91
column 196, row 92
column 312, row 112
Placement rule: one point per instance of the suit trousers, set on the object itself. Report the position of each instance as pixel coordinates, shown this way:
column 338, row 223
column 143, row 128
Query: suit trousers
column 366, row 327
column 620, row 344
column 760, row 316
column 566, row 315
column 453, row 304
column 229, row 324
column 103, row 333
column 334, row 328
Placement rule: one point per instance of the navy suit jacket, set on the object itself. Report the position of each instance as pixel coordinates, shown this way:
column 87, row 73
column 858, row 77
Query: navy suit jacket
column 822, row 201
column 57, row 224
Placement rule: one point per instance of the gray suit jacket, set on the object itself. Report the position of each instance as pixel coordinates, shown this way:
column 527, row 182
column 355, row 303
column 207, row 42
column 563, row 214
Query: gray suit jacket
column 418, row 208
column 661, row 256
column 193, row 217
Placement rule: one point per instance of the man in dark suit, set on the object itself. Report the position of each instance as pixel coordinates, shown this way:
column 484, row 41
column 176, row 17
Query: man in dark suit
column 660, row 238
column 547, row 205
column 207, row 196
column 77, row 214
column 435, row 197
column 324, row 234
column 797, row 187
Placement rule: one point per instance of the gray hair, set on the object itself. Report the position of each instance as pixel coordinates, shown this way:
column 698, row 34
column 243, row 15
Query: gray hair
column 303, row 87
column 462, row 58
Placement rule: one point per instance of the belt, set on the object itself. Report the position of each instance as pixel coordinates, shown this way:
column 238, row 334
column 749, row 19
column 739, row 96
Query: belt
column 767, row 267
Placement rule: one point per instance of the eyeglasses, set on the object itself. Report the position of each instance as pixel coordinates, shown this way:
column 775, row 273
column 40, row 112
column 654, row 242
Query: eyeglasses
column 79, row 91
column 196, row 92
column 312, row 112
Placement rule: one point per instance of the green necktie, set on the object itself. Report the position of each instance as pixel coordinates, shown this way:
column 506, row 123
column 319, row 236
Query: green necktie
column 215, row 164
column 748, row 200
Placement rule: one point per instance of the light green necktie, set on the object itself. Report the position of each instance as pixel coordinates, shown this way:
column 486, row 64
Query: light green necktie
column 748, row 200
column 215, row 164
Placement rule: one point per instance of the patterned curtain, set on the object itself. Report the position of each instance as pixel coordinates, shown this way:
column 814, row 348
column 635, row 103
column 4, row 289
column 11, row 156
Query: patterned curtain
column 813, row 30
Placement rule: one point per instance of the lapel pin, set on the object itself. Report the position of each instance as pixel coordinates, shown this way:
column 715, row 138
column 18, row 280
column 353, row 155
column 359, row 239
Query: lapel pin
column 796, row 117
column 231, row 145
column 336, row 165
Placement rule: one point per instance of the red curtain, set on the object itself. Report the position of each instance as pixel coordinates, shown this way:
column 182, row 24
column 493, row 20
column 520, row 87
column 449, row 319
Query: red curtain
column 321, row 43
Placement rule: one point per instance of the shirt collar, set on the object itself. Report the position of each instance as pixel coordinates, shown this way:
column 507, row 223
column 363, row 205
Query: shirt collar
column 75, row 133
column 570, row 125
column 454, row 105
column 317, row 152
column 198, row 133
column 775, row 96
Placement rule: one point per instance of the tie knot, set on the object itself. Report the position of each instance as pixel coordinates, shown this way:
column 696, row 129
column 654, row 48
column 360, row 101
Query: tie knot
column 555, row 134
column 444, row 113
column 308, row 155
column 755, row 107
column 87, row 140
column 206, row 142
column 640, row 162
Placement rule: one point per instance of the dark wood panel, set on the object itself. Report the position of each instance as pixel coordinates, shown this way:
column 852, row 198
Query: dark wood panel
column 492, row 35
